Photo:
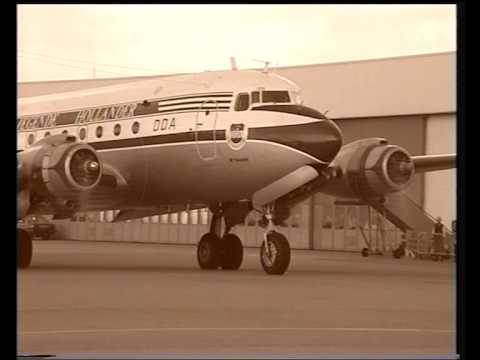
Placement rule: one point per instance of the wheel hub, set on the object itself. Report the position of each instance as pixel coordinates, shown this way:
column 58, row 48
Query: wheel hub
column 270, row 253
column 205, row 252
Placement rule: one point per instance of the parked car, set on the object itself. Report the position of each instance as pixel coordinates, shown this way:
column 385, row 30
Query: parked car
column 38, row 227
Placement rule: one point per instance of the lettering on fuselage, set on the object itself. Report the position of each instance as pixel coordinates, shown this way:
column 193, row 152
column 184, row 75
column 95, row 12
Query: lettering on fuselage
column 128, row 110
column 112, row 112
column 36, row 122
column 164, row 124
column 105, row 113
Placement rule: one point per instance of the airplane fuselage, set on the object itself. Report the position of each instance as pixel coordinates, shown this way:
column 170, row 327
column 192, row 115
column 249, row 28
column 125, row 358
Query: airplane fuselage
column 195, row 139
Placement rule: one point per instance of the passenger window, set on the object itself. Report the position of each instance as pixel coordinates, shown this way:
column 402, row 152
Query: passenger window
column 117, row 129
column 156, row 125
column 243, row 102
column 65, row 132
column 82, row 133
column 135, row 127
column 255, row 97
column 47, row 134
column 99, row 131
column 31, row 139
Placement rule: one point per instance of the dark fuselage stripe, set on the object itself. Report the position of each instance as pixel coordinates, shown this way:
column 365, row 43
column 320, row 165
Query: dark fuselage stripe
column 305, row 138
column 229, row 94
column 205, row 135
column 66, row 118
column 195, row 109
column 199, row 103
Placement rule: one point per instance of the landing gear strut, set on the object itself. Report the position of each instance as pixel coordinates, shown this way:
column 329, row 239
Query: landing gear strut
column 275, row 249
column 24, row 249
column 214, row 251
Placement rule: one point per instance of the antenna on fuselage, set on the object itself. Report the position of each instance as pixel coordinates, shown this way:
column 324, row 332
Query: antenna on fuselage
column 265, row 69
column 233, row 63
column 275, row 68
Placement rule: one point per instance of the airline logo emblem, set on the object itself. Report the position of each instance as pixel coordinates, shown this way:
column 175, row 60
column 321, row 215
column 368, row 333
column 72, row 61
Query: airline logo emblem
column 237, row 136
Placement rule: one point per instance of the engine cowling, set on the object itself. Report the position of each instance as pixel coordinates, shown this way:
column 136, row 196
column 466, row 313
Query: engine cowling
column 59, row 170
column 370, row 168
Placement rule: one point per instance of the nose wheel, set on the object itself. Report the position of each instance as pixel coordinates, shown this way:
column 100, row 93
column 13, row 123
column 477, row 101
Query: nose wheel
column 275, row 253
column 275, row 249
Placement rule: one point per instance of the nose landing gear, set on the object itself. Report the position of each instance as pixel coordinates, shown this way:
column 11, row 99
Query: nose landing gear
column 275, row 249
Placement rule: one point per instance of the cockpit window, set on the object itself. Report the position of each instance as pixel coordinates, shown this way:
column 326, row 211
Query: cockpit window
column 243, row 102
column 275, row 97
column 255, row 97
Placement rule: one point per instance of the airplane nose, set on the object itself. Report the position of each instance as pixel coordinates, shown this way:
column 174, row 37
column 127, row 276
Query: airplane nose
column 330, row 140
column 320, row 139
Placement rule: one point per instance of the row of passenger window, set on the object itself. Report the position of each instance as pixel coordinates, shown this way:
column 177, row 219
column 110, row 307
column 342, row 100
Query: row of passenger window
column 82, row 133
column 117, row 129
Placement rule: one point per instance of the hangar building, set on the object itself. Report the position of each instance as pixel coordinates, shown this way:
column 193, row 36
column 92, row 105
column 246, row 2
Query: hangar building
column 409, row 100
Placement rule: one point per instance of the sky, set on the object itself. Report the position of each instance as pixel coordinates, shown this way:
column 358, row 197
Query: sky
column 58, row 42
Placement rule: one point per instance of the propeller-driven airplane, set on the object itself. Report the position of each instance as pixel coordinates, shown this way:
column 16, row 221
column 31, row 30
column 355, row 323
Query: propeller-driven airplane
column 232, row 141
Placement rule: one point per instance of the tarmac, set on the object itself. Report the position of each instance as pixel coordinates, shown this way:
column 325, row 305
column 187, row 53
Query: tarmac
column 84, row 298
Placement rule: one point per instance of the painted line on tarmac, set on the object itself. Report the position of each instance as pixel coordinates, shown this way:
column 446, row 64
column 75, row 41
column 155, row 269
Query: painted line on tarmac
column 339, row 329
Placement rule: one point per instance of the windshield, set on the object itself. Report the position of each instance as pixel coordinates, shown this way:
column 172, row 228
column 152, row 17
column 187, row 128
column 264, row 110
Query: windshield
column 275, row 97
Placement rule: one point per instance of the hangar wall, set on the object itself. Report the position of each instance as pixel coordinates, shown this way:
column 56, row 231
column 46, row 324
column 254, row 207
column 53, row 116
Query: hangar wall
column 440, row 187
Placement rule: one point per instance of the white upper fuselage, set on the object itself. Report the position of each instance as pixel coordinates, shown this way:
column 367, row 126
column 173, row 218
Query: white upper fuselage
column 168, row 90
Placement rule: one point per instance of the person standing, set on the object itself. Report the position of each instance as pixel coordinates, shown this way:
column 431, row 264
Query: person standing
column 438, row 239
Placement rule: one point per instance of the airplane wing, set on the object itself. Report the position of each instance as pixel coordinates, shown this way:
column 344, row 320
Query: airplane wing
column 367, row 169
column 426, row 163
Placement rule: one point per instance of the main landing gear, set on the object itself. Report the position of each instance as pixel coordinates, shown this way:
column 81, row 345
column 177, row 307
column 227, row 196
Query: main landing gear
column 24, row 249
column 214, row 251
column 226, row 252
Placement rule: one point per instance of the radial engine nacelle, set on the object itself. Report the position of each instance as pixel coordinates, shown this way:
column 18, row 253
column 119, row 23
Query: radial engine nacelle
column 370, row 168
column 55, row 173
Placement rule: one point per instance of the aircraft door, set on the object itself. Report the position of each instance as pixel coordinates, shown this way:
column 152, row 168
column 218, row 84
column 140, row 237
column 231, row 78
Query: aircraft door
column 205, row 130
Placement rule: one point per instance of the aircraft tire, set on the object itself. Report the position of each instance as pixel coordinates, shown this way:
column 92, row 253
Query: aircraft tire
column 365, row 252
column 232, row 255
column 278, row 262
column 209, row 252
column 24, row 249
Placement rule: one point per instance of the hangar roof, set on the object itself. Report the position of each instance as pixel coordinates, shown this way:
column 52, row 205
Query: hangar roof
column 417, row 84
